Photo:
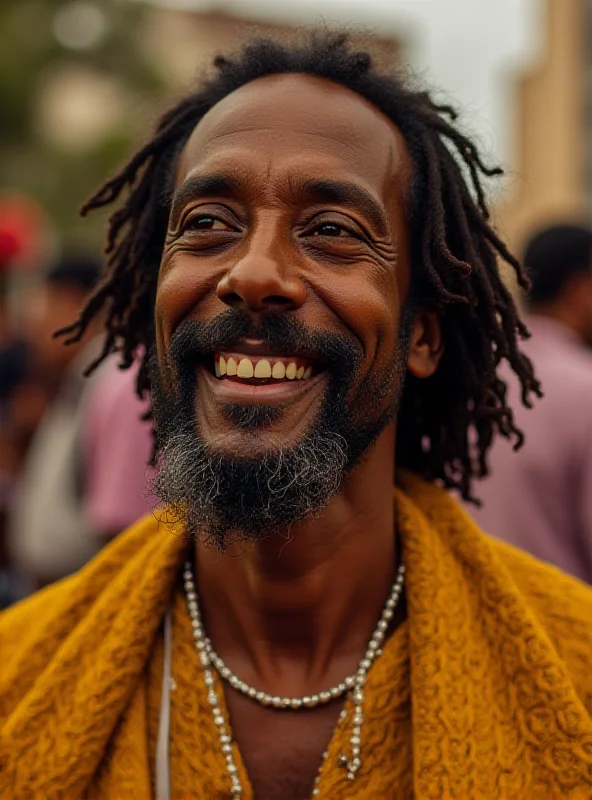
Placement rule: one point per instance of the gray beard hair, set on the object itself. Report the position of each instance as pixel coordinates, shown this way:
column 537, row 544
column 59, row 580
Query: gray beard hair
column 282, row 488
column 222, row 498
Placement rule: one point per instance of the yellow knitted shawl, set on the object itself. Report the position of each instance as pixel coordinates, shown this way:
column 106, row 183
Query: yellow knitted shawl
column 499, row 665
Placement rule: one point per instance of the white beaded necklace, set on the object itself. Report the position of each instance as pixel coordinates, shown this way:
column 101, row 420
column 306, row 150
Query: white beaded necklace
column 354, row 683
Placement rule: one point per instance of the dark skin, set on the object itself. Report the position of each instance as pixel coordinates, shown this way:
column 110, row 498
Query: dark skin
column 293, row 614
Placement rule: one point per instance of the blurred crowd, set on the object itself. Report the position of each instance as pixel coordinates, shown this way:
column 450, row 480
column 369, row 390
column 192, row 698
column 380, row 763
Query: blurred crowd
column 540, row 497
column 74, row 449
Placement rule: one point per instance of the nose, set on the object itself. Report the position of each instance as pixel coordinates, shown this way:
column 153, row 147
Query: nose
column 262, row 280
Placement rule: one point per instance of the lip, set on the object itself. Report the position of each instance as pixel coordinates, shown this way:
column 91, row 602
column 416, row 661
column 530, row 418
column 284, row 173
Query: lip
column 228, row 391
column 256, row 347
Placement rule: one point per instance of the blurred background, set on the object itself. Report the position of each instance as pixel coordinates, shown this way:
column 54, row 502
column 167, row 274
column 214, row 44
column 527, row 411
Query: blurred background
column 80, row 81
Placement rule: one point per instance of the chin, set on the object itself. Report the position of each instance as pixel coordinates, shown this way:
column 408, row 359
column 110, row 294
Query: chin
column 250, row 435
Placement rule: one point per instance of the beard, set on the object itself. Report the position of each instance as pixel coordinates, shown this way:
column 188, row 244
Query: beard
column 223, row 497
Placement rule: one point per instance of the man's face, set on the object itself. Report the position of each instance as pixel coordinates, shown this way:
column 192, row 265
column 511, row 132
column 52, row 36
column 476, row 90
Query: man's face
column 280, row 294
column 52, row 306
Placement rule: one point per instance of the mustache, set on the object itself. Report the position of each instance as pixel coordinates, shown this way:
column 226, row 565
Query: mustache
column 195, row 339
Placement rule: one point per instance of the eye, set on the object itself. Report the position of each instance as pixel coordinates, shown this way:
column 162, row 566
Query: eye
column 331, row 229
column 205, row 222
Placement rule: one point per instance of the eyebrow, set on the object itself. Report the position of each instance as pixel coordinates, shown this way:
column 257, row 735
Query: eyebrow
column 343, row 193
column 214, row 185
column 347, row 194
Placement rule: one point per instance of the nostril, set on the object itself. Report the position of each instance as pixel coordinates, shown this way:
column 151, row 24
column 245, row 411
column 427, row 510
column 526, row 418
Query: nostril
column 278, row 301
column 232, row 299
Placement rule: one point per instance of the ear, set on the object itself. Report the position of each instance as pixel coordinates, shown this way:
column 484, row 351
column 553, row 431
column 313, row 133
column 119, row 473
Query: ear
column 426, row 344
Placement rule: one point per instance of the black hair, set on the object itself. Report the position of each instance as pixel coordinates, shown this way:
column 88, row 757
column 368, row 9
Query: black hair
column 455, row 254
column 552, row 256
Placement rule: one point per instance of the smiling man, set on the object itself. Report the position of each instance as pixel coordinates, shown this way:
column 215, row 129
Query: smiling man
column 304, row 267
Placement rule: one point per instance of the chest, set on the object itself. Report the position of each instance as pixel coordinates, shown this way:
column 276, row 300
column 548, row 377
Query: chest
column 282, row 750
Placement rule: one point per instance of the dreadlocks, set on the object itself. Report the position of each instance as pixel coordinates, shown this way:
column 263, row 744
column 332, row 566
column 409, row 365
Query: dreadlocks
column 447, row 422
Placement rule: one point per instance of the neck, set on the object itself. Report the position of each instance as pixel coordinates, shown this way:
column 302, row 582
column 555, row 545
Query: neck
column 294, row 609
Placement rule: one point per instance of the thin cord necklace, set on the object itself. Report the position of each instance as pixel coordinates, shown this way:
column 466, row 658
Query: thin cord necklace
column 353, row 683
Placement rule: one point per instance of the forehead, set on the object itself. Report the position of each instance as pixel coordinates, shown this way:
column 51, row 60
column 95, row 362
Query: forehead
column 299, row 124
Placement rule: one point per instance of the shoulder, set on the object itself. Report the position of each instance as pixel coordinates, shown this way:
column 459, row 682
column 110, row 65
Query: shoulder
column 33, row 630
column 558, row 606
column 551, row 592
column 563, row 360
column 562, row 605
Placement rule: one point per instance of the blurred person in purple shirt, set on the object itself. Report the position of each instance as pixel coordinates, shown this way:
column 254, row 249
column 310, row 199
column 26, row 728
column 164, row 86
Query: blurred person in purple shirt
column 540, row 498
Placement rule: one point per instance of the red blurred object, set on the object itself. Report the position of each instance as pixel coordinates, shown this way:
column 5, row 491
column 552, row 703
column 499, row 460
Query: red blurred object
column 23, row 228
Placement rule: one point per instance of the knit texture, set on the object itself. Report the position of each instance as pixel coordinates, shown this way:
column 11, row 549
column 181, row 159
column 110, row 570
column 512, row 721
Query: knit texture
column 484, row 693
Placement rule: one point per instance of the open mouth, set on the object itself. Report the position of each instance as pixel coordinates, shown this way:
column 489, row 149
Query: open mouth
column 261, row 370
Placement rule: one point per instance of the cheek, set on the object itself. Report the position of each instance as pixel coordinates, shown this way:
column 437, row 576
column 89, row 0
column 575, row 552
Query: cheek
column 183, row 283
column 368, row 306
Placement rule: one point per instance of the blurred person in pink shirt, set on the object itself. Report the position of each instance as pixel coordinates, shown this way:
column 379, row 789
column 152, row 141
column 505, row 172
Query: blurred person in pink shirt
column 540, row 498
column 117, row 446
column 84, row 476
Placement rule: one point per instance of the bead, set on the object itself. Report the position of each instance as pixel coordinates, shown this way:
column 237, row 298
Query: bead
column 207, row 657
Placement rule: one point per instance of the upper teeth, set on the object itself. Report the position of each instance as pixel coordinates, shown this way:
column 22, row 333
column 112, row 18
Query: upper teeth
column 244, row 367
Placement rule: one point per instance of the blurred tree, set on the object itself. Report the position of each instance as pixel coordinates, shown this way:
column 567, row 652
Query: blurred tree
column 76, row 91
